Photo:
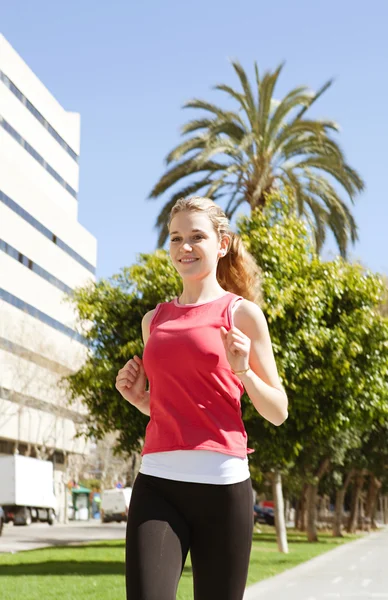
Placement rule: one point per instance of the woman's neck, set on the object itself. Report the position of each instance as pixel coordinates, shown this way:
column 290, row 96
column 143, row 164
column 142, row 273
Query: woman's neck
column 194, row 294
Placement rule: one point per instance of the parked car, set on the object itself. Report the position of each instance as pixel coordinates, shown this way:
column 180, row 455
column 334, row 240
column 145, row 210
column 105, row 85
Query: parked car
column 263, row 514
column 2, row 520
column 115, row 504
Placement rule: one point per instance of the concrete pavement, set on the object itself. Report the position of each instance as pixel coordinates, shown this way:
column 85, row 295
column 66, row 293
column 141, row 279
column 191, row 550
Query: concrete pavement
column 41, row 535
column 356, row 570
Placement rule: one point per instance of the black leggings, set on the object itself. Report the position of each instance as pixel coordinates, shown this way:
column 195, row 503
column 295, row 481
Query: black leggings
column 168, row 518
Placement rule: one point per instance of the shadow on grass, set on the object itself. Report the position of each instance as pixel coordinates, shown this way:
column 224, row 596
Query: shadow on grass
column 63, row 568
column 70, row 568
column 302, row 539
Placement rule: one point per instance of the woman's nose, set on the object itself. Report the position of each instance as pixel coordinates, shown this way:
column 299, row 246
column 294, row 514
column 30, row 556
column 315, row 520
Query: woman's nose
column 187, row 247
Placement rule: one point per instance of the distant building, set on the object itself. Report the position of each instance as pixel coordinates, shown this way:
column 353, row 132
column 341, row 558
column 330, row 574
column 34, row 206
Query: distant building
column 44, row 254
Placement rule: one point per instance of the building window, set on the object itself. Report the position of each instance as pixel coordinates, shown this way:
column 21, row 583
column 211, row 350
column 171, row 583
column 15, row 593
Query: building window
column 37, row 157
column 46, row 232
column 12, row 87
column 38, row 314
column 27, row 262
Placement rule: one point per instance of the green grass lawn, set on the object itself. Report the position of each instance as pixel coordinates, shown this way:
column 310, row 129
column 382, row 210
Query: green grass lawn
column 96, row 571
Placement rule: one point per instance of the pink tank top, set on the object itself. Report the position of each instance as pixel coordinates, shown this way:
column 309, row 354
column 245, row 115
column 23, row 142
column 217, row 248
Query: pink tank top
column 194, row 395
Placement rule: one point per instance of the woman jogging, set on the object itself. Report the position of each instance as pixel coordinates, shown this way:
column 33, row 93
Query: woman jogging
column 193, row 491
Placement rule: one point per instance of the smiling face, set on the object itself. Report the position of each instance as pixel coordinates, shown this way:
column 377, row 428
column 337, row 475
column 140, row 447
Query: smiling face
column 195, row 246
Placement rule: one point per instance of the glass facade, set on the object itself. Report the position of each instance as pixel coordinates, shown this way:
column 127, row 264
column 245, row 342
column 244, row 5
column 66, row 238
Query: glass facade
column 27, row 262
column 38, row 314
column 37, row 156
column 34, row 111
column 46, row 232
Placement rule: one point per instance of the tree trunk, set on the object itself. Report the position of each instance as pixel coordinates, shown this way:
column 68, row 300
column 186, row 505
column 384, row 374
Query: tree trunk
column 296, row 514
column 280, row 523
column 339, row 505
column 312, row 491
column 134, row 466
column 361, row 513
column 301, row 523
column 377, row 486
column 370, row 500
column 353, row 517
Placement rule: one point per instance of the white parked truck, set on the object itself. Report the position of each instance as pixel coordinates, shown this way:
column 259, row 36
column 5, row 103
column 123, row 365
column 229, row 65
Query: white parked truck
column 115, row 504
column 27, row 489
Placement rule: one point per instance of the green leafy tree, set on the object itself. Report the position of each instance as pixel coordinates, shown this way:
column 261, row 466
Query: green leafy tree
column 330, row 343
column 265, row 144
column 111, row 313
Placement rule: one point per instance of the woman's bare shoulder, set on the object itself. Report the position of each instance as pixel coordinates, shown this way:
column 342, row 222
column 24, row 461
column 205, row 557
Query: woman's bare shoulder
column 146, row 321
column 249, row 316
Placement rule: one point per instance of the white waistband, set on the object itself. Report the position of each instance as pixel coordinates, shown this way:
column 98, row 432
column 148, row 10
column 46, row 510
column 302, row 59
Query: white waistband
column 196, row 466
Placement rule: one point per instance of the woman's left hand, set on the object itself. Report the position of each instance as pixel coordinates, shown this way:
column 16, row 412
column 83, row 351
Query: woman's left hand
column 237, row 347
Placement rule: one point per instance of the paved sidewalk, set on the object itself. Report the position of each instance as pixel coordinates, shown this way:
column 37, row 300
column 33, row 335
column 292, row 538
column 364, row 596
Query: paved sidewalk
column 356, row 570
column 41, row 535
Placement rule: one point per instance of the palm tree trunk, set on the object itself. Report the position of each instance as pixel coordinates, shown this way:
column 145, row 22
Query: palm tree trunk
column 280, row 523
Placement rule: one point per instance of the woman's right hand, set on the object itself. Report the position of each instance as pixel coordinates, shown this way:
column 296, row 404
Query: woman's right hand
column 131, row 381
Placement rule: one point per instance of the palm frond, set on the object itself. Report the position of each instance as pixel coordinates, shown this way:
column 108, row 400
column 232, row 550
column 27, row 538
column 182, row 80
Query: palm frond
column 317, row 95
column 196, row 124
column 336, row 170
column 181, row 170
column 240, row 98
column 266, row 90
column 320, row 215
column 194, row 143
column 250, row 100
column 297, row 96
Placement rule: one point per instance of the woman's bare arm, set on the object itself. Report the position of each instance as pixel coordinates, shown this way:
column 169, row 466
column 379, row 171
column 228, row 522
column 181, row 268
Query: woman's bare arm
column 261, row 382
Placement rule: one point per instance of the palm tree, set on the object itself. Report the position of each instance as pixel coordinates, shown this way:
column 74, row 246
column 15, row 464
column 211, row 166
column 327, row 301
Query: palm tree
column 243, row 155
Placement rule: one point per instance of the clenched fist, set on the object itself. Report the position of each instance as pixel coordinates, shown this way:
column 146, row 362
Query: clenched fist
column 131, row 381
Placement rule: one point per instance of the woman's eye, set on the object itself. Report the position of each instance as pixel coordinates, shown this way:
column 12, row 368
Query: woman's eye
column 195, row 238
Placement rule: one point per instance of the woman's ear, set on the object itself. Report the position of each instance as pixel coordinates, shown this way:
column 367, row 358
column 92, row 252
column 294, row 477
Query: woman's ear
column 224, row 246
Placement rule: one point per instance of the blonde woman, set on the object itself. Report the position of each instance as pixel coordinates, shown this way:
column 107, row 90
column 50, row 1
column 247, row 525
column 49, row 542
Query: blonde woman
column 193, row 492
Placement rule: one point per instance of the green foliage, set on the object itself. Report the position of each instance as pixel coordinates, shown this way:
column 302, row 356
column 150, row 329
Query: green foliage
column 329, row 339
column 111, row 313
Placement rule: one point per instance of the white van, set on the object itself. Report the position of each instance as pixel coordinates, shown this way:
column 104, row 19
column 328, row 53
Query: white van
column 115, row 504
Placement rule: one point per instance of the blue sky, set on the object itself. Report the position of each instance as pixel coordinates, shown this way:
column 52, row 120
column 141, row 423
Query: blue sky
column 128, row 67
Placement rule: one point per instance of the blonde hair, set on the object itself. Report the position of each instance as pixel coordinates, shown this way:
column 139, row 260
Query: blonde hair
column 237, row 271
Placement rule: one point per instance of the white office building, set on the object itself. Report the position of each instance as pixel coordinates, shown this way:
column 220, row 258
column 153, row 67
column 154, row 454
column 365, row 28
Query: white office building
column 44, row 254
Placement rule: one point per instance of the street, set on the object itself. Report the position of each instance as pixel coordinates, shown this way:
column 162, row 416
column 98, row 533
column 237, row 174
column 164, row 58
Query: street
column 40, row 535
column 356, row 570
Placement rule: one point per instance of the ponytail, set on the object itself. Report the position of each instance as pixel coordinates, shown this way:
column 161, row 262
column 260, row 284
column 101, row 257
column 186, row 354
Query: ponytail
column 238, row 272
